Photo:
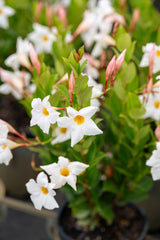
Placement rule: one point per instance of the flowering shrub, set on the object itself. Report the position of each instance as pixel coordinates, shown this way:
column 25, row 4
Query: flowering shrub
column 94, row 111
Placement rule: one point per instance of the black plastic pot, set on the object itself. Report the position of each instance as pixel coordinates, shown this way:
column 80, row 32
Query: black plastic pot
column 63, row 235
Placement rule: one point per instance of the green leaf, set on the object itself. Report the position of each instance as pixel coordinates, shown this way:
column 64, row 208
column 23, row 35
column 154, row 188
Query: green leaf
column 106, row 211
column 137, row 113
column 110, row 186
column 143, row 134
column 96, row 158
column 64, row 91
column 120, row 90
column 80, row 84
column 128, row 73
column 123, row 41
column 133, row 101
column 84, row 97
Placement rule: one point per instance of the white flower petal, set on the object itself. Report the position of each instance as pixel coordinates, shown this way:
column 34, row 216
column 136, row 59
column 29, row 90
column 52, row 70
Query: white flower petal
column 63, row 162
column 88, row 111
column 32, row 187
column 90, row 128
column 71, row 180
column 76, row 136
column 77, row 167
column 50, row 203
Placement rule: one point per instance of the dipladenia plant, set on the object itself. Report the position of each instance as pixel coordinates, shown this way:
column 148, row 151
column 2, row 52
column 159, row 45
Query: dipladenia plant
column 93, row 97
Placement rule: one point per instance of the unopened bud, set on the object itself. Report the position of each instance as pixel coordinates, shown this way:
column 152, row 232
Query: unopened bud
column 135, row 18
column 120, row 60
column 109, row 171
column 62, row 14
column 149, row 86
column 71, row 87
column 71, row 82
column 10, row 128
column 34, row 59
column 151, row 61
column 38, row 10
column 157, row 132
column 4, row 75
column 49, row 15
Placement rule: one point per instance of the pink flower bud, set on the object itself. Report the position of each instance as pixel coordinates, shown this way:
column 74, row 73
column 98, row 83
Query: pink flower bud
column 71, row 82
column 122, row 4
column 115, row 29
column 109, row 70
column 10, row 128
column 62, row 14
column 157, row 132
column 38, row 10
column 135, row 18
column 120, row 61
column 115, row 17
column 151, row 61
column 92, row 61
column 71, row 87
column 111, row 67
column 87, row 22
column 13, row 145
column 34, row 59
column 4, row 75
column 149, row 86
column 49, row 15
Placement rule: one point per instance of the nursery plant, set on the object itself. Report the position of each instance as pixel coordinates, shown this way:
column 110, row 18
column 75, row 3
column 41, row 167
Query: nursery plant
column 89, row 84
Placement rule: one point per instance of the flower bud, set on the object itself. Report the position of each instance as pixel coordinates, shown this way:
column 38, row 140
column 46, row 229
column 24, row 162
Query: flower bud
column 61, row 14
column 135, row 18
column 38, row 10
column 157, row 132
column 151, row 61
column 71, row 82
column 34, row 59
column 49, row 15
column 109, row 171
column 120, row 61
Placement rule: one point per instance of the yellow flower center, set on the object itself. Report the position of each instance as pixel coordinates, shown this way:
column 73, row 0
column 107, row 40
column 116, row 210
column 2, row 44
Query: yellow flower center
column 63, row 130
column 79, row 119
column 45, row 112
column 45, row 38
column 4, row 146
column 0, row 11
column 158, row 53
column 44, row 190
column 157, row 104
column 64, row 172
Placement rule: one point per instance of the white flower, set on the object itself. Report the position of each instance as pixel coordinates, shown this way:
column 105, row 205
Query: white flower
column 145, row 59
column 152, row 106
column 5, row 12
column 5, row 153
column 97, row 90
column 43, row 38
column 68, row 37
column 14, row 83
column 89, row 69
column 98, row 27
column 65, row 3
column 43, row 114
column 104, row 7
column 41, row 192
column 79, row 123
column 61, row 135
column 21, row 55
column 64, row 172
column 154, row 162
